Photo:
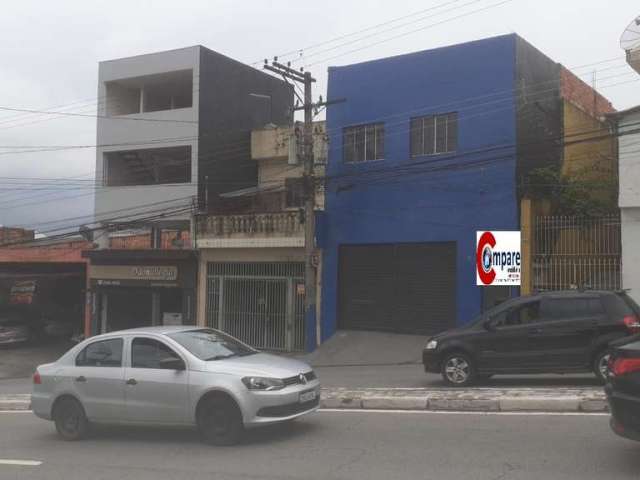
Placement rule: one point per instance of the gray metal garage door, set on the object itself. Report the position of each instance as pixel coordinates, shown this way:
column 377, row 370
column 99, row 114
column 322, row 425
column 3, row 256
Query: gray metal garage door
column 405, row 288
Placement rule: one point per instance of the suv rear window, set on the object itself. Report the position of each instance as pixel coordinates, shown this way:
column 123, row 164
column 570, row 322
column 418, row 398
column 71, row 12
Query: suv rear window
column 620, row 305
column 571, row 307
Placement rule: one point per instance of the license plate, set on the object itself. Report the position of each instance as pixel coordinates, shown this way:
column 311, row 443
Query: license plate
column 307, row 396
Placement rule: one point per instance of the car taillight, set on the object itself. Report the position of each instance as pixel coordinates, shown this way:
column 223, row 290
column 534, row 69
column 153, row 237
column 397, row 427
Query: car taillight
column 623, row 366
column 36, row 379
column 632, row 323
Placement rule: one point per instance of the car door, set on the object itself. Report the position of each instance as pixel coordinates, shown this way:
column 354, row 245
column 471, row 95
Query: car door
column 154, row 393
column 98, row 379
column 505, row 347
column 564, row 337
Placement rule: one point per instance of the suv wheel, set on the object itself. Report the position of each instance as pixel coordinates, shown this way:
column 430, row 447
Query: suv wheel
column 220, row 422
column 458, row 370
column 71, row 422
column 601, row 366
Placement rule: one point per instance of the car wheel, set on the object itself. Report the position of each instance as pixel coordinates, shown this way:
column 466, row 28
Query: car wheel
column 601, row 366
column 220, row 422
column 458, row 370
column 70, row 419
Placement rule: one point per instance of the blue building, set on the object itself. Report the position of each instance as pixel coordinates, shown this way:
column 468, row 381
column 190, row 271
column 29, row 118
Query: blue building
column 426, row 149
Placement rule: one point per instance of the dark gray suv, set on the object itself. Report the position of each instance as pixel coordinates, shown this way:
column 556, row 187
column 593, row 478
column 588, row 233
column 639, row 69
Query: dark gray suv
column 555, row 332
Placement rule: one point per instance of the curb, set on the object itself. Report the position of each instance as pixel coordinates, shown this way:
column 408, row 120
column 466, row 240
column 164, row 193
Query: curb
column 436, row 400
column 15, row 402
column 469, row 400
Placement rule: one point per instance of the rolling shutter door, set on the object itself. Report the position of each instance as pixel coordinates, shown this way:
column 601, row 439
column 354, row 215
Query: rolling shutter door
column 404, row 288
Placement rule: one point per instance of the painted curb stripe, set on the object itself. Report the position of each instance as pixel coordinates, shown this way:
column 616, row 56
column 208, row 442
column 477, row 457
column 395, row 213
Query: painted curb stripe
column 23, row 463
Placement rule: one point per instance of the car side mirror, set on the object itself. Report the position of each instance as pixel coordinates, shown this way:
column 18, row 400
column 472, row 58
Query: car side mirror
column 172, row 364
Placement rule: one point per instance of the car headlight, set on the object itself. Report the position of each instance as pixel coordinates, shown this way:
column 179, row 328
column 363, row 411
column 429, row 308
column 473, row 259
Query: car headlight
column 432, row 345
column 263, row 383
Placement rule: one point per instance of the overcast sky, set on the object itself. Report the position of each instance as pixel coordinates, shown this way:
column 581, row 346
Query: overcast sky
column 49, row 54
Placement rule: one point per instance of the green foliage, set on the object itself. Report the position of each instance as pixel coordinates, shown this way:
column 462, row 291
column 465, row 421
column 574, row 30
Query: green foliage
column 582, row 194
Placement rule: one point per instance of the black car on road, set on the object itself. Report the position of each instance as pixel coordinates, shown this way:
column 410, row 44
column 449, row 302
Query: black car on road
column 623, row 387
column 554, row 332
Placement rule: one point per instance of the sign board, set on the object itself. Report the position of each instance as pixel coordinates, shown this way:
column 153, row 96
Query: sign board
column 22, row 293
column 154, row 273
column 498, row 258
column 131, row 275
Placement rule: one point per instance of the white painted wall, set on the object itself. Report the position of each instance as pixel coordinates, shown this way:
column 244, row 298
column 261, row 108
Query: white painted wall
column 629, row 201
column 631, row 251
column 124, row 133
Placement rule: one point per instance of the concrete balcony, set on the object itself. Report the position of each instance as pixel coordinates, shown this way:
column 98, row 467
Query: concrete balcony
column 280, row 229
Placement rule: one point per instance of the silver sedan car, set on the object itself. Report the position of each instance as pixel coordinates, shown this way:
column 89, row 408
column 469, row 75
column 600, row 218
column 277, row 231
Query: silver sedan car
column 172, row 376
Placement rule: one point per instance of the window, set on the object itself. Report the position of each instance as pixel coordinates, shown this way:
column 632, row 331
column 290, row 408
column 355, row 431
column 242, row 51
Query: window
column 149, row 353
column 522, row 314
column 566, row 308
column 434, row 134
column 363, row 143
column 106, row 353
column 151, row 166
column 294, row 192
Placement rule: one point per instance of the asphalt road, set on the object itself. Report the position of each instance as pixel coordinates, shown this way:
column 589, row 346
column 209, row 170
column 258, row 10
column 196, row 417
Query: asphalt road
column 334, row 445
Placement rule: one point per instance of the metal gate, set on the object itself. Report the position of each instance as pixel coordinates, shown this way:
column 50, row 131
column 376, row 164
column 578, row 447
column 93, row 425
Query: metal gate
column 575, row 252
column 262, row 304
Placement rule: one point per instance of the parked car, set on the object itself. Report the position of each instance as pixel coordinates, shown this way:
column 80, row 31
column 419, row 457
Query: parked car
column 555, row 332
column 623, row 387
column 14, row 327
column 176, row 376
column 57, row 327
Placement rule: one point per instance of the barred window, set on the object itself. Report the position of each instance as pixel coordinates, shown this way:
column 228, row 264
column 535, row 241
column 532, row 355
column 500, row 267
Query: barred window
column 434, row 134
column 363, row 143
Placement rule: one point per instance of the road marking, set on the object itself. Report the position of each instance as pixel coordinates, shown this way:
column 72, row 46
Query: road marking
column 446, row 412
column 23, row 463
column 16, row 411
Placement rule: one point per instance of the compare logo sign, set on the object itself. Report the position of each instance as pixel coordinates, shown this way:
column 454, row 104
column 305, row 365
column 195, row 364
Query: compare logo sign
column 498, row 258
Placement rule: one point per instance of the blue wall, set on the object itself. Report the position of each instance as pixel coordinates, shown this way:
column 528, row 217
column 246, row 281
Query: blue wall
column 404, row 202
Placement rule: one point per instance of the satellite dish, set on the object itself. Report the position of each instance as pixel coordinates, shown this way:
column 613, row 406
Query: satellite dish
column 630, row 39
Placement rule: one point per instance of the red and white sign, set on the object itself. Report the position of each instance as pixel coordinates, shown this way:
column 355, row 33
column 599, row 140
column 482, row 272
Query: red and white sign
column 498, row 258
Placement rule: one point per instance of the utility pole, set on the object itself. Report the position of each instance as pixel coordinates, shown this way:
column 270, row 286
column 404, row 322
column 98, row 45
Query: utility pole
column 309, row 184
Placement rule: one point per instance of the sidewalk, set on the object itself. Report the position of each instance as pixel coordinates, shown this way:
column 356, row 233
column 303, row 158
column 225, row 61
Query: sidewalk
column 587, row 399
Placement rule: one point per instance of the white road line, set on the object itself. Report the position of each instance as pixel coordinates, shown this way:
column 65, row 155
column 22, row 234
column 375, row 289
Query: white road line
column 22, row 463
column 446, row 412
column 15, row 411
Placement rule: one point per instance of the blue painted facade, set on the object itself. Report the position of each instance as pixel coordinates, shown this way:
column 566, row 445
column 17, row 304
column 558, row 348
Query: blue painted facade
column 448, row 197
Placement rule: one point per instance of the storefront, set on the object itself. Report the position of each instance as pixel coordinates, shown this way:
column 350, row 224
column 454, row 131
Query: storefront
column 138, row 288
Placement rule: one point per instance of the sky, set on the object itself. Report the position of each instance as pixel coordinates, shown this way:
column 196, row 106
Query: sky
column 49, row 54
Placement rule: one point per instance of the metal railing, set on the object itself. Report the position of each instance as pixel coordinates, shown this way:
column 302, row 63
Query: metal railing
column 576, row 252
column 284, row 224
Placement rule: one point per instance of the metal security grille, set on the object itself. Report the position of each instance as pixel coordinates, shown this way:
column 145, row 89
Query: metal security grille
column 573, row 252
column 262, row 304
column 403, row 288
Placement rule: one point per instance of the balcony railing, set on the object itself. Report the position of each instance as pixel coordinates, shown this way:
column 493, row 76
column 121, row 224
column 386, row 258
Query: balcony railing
column 280, row 224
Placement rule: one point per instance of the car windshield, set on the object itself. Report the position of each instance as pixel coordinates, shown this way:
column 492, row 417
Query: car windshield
column 208, row 344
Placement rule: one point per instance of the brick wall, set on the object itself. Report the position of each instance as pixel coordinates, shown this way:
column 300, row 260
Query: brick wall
column 67, row 252
column 583, row 95
column 10, row 235
column 143, row 241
